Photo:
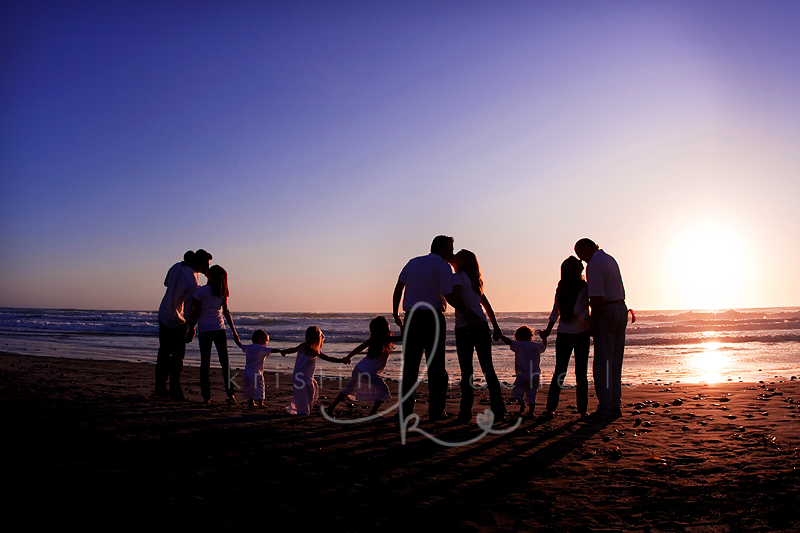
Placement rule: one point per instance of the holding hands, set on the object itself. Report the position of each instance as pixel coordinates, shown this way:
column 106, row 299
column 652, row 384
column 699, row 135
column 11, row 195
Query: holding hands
column 546, row 332
column 398, row 321
column 190, row 334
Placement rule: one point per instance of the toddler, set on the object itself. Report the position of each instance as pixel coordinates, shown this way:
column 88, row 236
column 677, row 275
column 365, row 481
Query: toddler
column 254, row 368
column 527, row 353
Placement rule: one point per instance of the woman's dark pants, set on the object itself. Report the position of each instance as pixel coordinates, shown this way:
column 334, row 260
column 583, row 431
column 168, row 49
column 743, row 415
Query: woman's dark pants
column 565, row 344
column 220, row 340
column 479, row 339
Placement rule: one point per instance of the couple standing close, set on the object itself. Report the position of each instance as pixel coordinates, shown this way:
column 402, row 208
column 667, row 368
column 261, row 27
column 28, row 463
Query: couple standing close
column 186, row 304
column 604, row 293
column 429, row 280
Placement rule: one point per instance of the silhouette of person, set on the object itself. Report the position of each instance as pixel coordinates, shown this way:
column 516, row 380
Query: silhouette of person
column 181, row 282
column 607, row 323
column 209, row 308
column 427, row 279
column 475, row 337
column 571, row 309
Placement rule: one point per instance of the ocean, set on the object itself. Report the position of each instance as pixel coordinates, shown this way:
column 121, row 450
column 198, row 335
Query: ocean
column 748, row 345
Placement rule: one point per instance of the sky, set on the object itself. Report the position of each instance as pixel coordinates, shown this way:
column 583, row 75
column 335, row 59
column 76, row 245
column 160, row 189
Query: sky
column 315, row 147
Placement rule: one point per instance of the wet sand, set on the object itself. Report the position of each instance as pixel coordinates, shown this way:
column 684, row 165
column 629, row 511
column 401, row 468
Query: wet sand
column 88, row 446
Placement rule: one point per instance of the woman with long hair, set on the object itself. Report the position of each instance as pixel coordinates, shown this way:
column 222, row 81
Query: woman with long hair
column 473, row 335
column 209, row 307
column 571, row 309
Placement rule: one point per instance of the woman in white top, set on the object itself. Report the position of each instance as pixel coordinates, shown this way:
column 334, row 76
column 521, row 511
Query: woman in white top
column 472, row 334
column 209, row 306
column 572, row 306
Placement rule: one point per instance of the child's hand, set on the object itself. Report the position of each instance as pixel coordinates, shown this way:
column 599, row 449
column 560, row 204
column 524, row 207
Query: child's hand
column 283, row 353
column 497, row 334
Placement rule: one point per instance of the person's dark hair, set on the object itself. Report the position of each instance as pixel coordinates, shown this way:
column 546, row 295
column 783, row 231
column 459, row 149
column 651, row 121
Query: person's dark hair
column 202, row 256
column 380, row 335
column 569, row 287
column 468, row 263
column 260, row 336
column 586, row 243
column 188, row 258
column 440, row 242
column 524, row 333
column 218, row 280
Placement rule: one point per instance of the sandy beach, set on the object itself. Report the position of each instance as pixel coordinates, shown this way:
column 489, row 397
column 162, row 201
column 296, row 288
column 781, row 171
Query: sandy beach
column 88, row 446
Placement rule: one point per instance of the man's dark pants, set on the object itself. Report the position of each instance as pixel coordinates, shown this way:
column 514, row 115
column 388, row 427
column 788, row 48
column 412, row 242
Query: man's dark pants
column 609, row 348
column 420, row 334
column 169, row 363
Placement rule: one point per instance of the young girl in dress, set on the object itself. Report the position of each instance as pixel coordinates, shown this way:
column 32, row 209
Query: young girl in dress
column 306, row 388
column 366, row 382
column 209, row 306
column 253, row 380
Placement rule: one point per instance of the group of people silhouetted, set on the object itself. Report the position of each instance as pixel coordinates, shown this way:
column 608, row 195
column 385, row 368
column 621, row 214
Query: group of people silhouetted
column 588, row 307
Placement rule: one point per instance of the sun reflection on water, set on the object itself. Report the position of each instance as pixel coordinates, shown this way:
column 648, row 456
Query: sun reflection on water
column 710, row 361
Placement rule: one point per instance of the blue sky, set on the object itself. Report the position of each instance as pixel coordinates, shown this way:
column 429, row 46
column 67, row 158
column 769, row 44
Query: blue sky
column 314, row 147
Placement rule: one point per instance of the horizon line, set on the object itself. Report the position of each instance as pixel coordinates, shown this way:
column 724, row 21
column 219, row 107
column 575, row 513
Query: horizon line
column 449, row 311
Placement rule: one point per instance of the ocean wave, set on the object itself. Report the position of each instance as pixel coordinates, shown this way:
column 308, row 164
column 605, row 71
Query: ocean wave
column 523, row 318
column 656, row 328
column 713, row 316
column 700, row 327
column 128, row 328
column 262, row 321
column 732, row 339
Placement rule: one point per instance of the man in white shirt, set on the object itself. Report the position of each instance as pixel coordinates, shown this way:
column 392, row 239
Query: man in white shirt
column 607, row 322
column 427, row 279
column 181, row 282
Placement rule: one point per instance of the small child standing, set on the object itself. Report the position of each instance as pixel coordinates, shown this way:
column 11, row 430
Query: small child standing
column 366, row 382
column 527, row 354
column 253, row 380
column 306, row 388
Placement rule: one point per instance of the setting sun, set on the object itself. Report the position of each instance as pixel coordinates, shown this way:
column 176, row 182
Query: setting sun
column 710, row 266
